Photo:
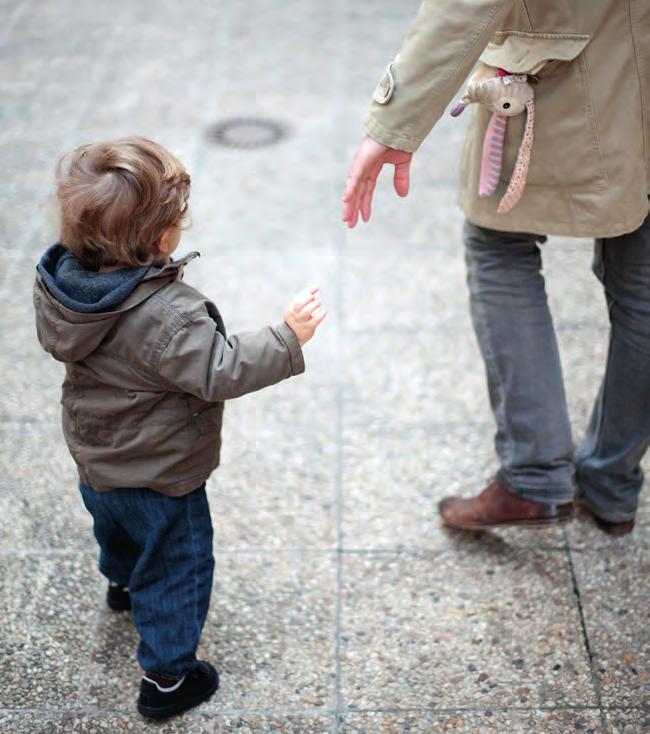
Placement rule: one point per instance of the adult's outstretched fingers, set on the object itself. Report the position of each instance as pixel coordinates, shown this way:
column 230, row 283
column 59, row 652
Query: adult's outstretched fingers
column 351, row 208
column 366, row 199
column 401, row 177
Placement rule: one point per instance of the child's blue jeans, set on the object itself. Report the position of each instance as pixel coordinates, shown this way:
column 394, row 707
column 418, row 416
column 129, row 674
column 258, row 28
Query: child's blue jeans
column 161, row 548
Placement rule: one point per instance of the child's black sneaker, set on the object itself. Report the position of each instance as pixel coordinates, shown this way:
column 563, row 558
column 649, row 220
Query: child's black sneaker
column 118, row 597
column 161, row 698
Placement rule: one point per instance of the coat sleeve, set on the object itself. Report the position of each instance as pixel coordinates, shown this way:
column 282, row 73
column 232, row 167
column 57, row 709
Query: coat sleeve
column 199, row 360
column 443, row 44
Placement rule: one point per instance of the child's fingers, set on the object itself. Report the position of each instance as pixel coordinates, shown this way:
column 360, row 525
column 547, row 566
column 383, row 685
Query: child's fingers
column 301, row 302
column 304, row 297
column 309, row 309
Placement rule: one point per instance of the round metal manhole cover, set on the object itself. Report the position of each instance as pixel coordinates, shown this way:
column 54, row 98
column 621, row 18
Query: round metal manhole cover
column 247, row 132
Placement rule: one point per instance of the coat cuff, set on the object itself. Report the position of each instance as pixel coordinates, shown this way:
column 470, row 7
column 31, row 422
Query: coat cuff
column 296, row 358
column 392, row 139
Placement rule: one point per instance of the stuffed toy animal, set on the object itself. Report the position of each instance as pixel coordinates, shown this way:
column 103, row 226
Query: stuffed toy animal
column 505, row 95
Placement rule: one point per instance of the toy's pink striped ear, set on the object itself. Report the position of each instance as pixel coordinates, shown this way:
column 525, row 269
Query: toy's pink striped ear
column 518, row 181
column 492, row 154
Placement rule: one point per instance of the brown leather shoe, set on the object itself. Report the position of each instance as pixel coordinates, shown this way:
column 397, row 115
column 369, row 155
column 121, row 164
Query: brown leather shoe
column 496, row 507
column 611, row 528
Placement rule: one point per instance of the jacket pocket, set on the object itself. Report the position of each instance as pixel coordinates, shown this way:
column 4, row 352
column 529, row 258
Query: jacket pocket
column 209, row 418
column 566, row 152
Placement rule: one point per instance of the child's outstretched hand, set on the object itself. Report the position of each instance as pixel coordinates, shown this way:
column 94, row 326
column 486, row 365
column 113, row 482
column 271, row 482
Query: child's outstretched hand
column 300, row 314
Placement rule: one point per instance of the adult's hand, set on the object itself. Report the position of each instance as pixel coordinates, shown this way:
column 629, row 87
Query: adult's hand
column 362, row 178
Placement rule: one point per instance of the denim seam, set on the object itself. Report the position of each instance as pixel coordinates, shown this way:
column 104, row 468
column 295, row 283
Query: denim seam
column 599, row 433
column 491, row 365
column 195, row 570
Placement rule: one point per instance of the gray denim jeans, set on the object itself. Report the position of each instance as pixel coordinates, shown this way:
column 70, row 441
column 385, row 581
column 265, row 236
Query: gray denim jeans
column 516, row 336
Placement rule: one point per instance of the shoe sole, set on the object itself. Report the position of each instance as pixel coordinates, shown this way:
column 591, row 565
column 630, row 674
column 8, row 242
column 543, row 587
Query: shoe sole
column 175, row 709
column 539, row 523
column 606, row 526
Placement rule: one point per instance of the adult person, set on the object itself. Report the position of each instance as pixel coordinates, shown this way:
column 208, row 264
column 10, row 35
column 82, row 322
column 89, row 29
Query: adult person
column 589, row 176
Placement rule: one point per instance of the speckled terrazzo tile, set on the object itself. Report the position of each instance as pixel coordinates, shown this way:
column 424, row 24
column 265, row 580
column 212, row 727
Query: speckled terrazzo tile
column 134, row 70
column 302, row 39
column 269, row 633
column 34, row 159
column 304, row 405
column 396, row 379
column 49, row 606
column 38, row 491
column 498, row 627
column 268, row 205
column 630, row 721
column 253, row 289
column 440, row 377
column 429, row 220
column 616, row 606
column 275, row 489
column 393, row 481
column 473, row 722
column 31, row 378
column 405, row 291
column 193, row 722
column 375, row 39
column 30, row 722
column 584, row 534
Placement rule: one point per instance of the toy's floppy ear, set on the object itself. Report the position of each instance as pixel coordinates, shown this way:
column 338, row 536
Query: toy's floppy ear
column 492, row 157
column 518, row 181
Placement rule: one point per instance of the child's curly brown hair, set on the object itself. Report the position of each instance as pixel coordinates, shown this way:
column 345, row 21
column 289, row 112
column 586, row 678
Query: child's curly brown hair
column 117, row 197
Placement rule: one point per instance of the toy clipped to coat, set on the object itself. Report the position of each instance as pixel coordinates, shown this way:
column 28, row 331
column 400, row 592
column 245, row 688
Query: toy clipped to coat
column 505, row 95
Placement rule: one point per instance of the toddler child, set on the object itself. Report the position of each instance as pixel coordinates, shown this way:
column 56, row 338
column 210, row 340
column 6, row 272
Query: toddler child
column 148, row 368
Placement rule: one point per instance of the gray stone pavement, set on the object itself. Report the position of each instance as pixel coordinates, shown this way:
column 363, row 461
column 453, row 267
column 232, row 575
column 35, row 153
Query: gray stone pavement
column 340, row 603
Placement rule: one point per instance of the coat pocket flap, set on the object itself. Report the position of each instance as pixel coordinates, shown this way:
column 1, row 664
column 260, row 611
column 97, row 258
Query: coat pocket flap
column 386, row 86
column 519, row 52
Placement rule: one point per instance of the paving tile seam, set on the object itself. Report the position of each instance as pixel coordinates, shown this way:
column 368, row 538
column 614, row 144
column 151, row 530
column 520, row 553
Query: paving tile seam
column 434, row 429
column 340, row 462
column 210, row 711
column 474, row 709
column 375, row 253
column 205, row 712
column 396, row 552
column 446, row 327
column 342, row 10
column 595, row 682
column 382, row 428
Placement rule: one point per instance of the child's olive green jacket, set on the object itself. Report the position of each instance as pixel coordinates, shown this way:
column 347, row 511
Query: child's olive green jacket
column 589, row 172
column 145, row 381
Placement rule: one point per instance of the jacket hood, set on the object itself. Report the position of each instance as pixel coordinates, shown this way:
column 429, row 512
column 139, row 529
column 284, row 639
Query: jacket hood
column 76, row 307
column 84, row 290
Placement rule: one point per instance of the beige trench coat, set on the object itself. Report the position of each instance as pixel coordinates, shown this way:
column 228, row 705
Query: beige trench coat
column 590, row 167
